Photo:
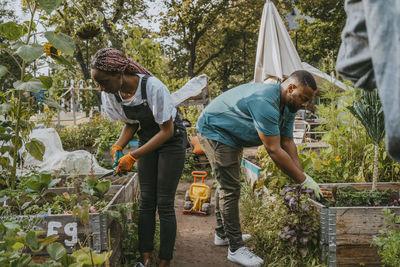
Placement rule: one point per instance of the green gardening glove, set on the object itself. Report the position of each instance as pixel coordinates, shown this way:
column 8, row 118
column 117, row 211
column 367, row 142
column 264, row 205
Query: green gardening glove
column 311, row 184
column 116, row 153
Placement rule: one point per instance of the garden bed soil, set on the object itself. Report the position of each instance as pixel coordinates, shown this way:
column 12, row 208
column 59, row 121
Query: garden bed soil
column 347, row 232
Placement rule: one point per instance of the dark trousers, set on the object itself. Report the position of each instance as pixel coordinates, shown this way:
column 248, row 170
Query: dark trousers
column 159, row 174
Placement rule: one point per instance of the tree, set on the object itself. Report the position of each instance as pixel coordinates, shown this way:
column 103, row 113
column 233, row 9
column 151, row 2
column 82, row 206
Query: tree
column 235, row 65
column 318, row 35
column 368, row 110
column 186, row 23
column 95, row 24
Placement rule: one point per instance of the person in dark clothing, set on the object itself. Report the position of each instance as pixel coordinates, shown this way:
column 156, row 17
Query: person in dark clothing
column 131, row 94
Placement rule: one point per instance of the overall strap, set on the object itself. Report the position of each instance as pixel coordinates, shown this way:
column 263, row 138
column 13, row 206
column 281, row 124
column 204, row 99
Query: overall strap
column 117, row 97
column 143, row 88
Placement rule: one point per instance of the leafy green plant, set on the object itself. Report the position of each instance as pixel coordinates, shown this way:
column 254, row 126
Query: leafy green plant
column 349, row 197
column 96, row 187
column 269, row 220
column 14, row 242
column 127, row 215
column 300, row 234
column 388, row 240
column 368, row 110
column 41, row 182
column 16, row 104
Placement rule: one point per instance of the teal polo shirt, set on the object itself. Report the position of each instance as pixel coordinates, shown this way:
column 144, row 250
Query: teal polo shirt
column 234, row 117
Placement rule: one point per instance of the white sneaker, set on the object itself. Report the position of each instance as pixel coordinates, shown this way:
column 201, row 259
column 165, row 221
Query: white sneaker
column 218, row 241
column 245, row 257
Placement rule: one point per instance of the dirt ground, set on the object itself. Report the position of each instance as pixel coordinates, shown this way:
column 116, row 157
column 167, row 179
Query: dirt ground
column 195, row 238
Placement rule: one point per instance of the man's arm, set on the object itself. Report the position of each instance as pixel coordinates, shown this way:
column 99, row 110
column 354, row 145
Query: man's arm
column 289, row 146
column 281, row 158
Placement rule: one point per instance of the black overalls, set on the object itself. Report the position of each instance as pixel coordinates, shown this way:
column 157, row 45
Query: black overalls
column 159, row 174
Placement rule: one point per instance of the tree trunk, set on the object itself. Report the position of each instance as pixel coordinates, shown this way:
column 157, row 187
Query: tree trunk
column 375, row 171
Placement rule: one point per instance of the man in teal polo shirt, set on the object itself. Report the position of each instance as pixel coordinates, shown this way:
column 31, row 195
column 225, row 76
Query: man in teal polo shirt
column 250, row 115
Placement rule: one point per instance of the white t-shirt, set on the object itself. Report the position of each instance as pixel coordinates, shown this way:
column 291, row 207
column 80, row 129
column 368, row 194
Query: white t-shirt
column 158, row 98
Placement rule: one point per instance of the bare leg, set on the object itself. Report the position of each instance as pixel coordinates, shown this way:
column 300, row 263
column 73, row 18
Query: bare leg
column 164, row 263
column 146, row 258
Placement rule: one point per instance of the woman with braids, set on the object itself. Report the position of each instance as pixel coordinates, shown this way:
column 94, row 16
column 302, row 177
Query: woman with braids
column 131, row 94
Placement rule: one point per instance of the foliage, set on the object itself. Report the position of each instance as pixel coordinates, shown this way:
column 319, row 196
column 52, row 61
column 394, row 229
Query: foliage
column 95, row 187
column 300, row 234
column 368, row 110
column 15, row 241
column 16, row 104
column 191, row 113
column 33, row 197
column 265, row 216
column 127, row 215
column 349, row 157
column 97, row 132
column 41, row 182
column 108, row 134
column 319, row 30
column 349, row 196
column 388, row 240
column 185, row 22
column 221, row 44
column 78, row 19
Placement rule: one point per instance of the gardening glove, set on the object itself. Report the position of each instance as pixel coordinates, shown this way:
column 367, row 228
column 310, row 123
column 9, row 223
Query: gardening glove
column 125, row 164
column 116, row 153
column 311, row 184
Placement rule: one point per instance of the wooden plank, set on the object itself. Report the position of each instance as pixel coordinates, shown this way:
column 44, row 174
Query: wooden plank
column 131, row 189
column 363, row 186
column 358, row 225
column 70, row 229
column 349, row 256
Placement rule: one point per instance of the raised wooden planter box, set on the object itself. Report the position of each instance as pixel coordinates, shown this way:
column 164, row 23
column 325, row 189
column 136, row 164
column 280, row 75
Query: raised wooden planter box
column 347, row 232
column 102, row 229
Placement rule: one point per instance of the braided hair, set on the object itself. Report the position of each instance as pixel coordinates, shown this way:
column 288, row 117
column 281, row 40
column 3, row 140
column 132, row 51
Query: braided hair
column 113, row 60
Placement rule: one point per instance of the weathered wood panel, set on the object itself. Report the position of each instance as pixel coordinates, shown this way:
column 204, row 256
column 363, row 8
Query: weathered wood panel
column 356, row 226
column 349, row 256
column 99, row 228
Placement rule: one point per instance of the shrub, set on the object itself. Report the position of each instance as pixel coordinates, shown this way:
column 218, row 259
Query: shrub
column 270, row 220
column 388, row 240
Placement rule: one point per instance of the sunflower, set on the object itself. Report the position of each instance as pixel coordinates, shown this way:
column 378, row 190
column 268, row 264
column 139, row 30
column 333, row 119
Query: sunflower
column 51, row 51
column 88, row 31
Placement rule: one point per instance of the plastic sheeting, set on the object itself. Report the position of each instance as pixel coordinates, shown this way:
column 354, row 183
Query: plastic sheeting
column 55, row 158
column 191, row 88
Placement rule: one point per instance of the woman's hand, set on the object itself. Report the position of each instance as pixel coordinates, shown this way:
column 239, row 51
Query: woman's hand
column 125, row 164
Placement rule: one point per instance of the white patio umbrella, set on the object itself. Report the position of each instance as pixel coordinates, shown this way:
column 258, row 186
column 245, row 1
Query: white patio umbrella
column 276, row 55
column 321, row 77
